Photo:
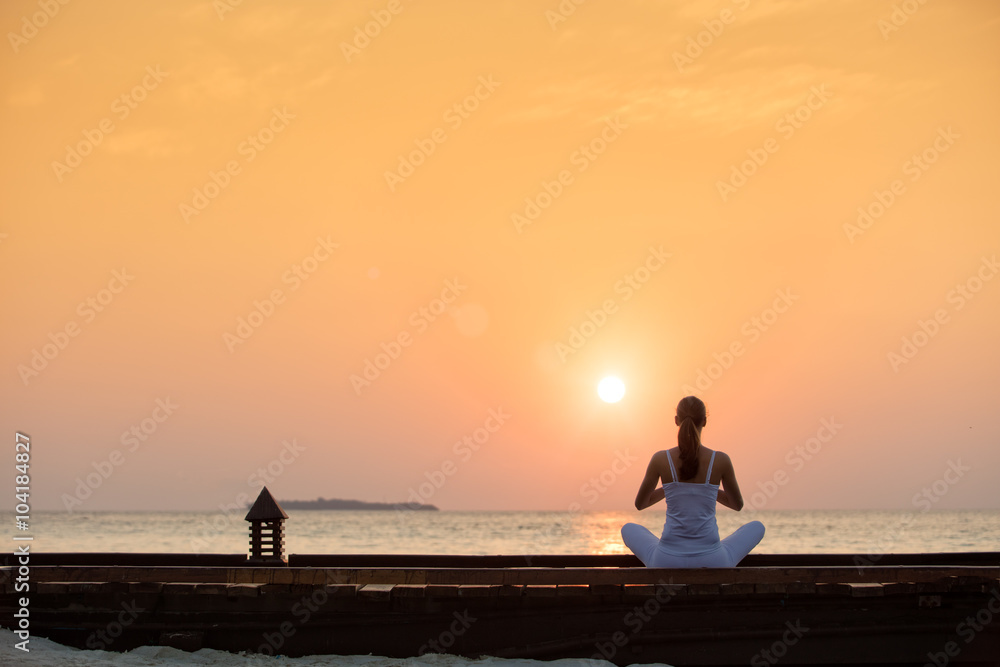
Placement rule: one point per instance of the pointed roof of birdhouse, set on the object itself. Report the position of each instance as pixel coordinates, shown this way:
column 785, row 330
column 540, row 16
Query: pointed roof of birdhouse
column 265, row 508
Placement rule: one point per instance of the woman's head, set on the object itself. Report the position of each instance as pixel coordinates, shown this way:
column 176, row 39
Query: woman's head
column 691, row 418
column 691, row 407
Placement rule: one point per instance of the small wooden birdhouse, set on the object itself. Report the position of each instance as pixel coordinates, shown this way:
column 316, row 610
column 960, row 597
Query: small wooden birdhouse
column 266, row 539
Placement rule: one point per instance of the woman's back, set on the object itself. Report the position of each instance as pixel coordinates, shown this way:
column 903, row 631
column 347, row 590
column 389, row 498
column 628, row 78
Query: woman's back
column 706, row 456
column 690, row 527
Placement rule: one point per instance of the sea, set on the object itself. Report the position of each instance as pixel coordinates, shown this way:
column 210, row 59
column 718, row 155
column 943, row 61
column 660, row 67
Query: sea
column 404, row 531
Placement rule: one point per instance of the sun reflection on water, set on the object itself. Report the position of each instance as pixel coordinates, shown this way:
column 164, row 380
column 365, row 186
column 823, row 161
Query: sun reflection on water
column 600, row 532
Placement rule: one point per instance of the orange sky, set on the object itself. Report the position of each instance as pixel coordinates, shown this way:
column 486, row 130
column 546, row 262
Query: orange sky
column 213, row 216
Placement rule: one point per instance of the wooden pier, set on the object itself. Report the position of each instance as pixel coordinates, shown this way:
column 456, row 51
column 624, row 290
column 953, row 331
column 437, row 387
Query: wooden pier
column 788, row 609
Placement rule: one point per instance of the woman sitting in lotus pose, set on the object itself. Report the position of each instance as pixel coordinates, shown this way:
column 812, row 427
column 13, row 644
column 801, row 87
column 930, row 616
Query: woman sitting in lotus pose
column 691, row 475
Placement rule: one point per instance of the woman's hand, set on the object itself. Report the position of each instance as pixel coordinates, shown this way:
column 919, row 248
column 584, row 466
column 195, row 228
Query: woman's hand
column 656, row 496
column 729, row 490
column 725, row 500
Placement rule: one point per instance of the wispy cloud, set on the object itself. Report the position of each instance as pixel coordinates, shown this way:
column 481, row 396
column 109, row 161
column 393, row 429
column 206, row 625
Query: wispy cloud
column 152, row 142
column 27, row 97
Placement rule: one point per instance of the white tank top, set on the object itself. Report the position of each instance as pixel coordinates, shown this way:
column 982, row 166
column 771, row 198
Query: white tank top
column 690, row 527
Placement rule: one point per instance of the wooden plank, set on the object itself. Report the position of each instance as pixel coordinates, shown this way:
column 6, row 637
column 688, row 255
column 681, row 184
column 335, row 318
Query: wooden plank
column 628, row 560
column 736, row 589
column 770, row 588
column 540, row 591
column 511, row 577
column 145, row 587
column 211, row 589
column 536, row 576
column 703, row 589
column 800, row 588
column 605, row 589
column 50, row 588
column 441, row 591
column 94, row 588
column 476, row 591
column 264, row 575
column 674, row 590
column 835, row 589
column 932, row 587
column 275, row 589
column 565, row 576
column 785, row 588
column 376, row 592
column 900, row 588
column 642, row 590
column 968, row 585
column 393, row 575
column 242, row 590
column 178, row 589
column 977, row 558
column 867, row 590
column 342, row 590
column 409, row 591
column 411, row 561
column 108, row 559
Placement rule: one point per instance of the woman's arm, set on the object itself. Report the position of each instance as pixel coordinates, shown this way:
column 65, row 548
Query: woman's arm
column 729, row 489
column 725, row 500
column 656, row 496
column 650, row 492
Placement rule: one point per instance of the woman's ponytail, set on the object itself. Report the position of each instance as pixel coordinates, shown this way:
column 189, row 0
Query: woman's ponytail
column 691, row 412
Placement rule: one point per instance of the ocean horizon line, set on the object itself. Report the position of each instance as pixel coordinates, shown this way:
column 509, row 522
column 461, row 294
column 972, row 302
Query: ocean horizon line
column 403, row 507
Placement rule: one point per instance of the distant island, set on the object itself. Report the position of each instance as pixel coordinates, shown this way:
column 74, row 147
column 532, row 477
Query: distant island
column 336, row 504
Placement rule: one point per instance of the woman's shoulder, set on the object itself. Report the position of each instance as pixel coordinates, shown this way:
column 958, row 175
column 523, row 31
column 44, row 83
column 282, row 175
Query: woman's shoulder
column 660, row 461
column 721, row 458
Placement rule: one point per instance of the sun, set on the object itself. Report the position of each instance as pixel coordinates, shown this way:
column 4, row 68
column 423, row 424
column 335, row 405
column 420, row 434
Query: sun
column 611, row 389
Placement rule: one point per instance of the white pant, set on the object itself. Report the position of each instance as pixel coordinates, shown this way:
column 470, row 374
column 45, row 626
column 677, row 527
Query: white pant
column 654, row 553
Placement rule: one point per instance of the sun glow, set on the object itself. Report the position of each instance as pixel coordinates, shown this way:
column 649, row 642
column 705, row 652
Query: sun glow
column 611, row 389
